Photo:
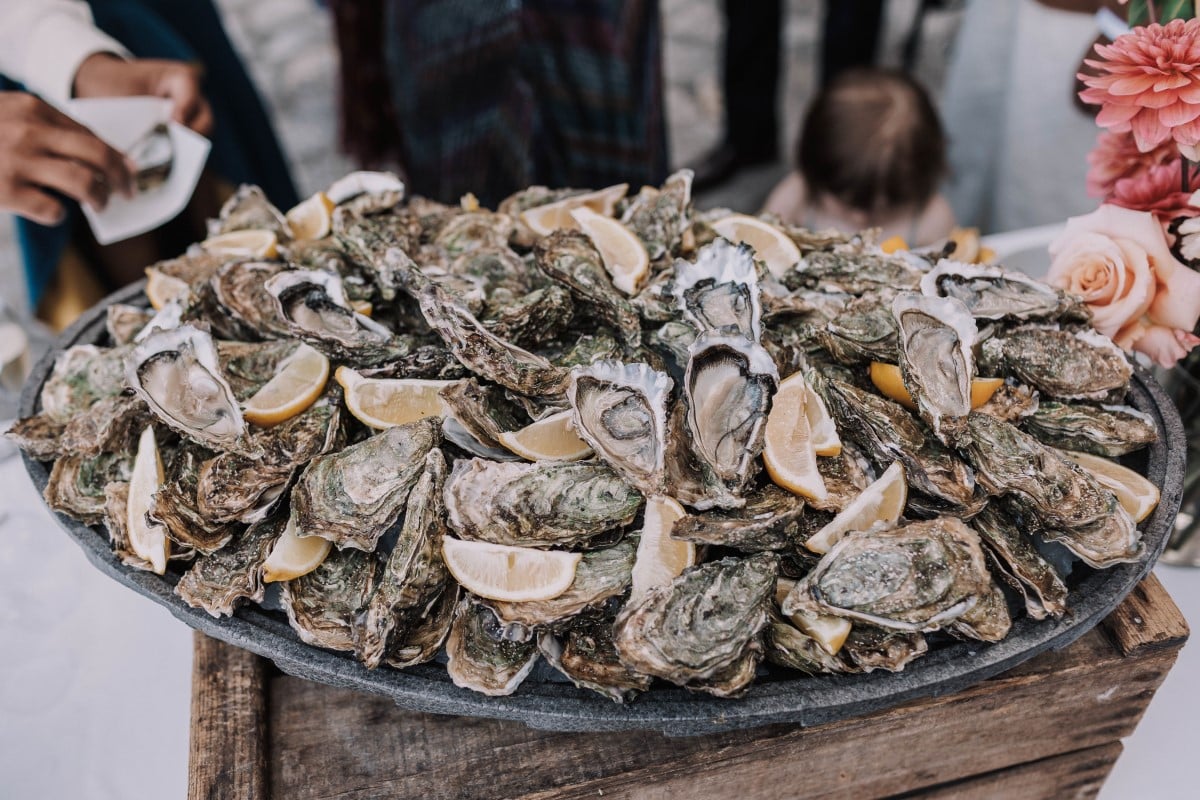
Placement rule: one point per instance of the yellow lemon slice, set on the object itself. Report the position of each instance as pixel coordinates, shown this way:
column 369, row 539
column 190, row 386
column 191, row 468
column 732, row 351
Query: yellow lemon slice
column 882, row 501
column 825, row 439
column 512, row 574
column 789, row 452
column 387, row 402
column 546, row 219
column 364, row 307
column 549, row 439
column 1136, row 495
column 623, row 254
column 770, row 244
column 294, row 555
column 830, row 632
column 243, row 244
column 162, row 288
column 893, row 244
column 660, row 559
column 147, row 540
column 312, row 218
column 890, row 383
column 296, row 385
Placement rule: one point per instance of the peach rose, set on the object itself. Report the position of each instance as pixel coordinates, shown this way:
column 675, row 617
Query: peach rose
column 1119, row 262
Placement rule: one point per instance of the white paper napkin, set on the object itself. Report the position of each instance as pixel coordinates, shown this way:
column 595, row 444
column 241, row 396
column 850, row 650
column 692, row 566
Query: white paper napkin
column 121, row 122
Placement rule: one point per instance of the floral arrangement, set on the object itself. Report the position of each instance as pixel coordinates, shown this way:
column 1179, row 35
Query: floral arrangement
column 1133, row 260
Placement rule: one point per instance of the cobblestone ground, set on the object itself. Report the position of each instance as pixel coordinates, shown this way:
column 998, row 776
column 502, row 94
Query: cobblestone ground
column 289, row 49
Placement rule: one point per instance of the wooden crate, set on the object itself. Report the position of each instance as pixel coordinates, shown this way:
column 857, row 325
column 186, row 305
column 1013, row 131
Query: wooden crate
column 1051, row 728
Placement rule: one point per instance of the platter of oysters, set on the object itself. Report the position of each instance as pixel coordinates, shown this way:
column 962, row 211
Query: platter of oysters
column 596, row 460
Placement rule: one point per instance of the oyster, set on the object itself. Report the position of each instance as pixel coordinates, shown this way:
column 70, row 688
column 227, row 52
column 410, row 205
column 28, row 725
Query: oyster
column 116, row 507
column 124, row 321
column 936, row 360
column 218, row 582
column 478, row 657
column 325, row 606
column 788, row 646
column 249, row 209
column 1039, row 585
column 77, row 483
column 1060, row 496
column 865, row 331
column 701, row 624
column 990, row 292
column 719, row 290
column 728, row 387
column 570, row 258
column 660, row 217
column 921, row 577
column 869, row 648
column 314, row 307
column 1080, row 365
column 853, row 272
column 601, row 574
column 585, row 653
column 770, row 520
column 367, row 232
column 1110, row 431
column 243, row 308
column 353, row 496
column 414, row 576
column 426, row 633
column 621, row 411
column 531, row 319
column 886, row 432
column 845, row 476
column 82, row 375
column 177, row 374
column 174, row 505
column 248, row 366
column 108, row 425
column 537, row 505
column 1011, row 402
column 482, row 412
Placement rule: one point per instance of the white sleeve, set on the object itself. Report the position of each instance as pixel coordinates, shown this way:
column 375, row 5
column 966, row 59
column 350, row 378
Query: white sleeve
column 43, row 42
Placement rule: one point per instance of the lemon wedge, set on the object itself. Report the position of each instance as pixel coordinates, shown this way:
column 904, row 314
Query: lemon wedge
column 770, row 244
column 549, row 439
column 312, row 218
column 623, row 254
column 162, row 289
column 147, row 540
column 890, row 383
column 893, row 244
column 387, row 402
column 296, row 385
column 294, row 555
column 512, row 574
column 660, row 559
column 1138, row 496
column 789, row 451
column 882, row 501
column 243, row 244
column 546, row 219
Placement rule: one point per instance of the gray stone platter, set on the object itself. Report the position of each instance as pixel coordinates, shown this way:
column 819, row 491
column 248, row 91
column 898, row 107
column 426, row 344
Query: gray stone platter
column 777, row 697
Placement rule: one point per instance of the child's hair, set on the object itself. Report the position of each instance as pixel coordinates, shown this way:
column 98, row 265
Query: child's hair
column 872, row 139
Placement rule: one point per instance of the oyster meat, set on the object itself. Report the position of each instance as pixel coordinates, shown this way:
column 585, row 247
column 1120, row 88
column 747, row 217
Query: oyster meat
column 719, row 290
column 937, row 335
column 82, row 375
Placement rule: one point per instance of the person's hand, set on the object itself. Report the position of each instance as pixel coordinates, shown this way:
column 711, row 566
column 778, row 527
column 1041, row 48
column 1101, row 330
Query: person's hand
column 42, row 149
column 106, row 75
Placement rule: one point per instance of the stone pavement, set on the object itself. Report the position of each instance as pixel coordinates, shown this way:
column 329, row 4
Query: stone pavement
column 288, row 47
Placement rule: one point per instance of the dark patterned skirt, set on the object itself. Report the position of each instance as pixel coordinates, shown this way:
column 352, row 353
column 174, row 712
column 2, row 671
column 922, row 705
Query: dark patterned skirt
column 490, row 96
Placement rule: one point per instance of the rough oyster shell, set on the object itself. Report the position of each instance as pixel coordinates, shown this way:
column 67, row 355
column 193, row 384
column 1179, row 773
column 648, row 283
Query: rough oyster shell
column 249, row 209
column 869, row 648
column 1039, row 585
column 82, row 375
column 123, row 321
column 770, row 520
column 660, row 217
column 853, row 271
column 701, row 624
column 1109, row 431
column 621, row 411
column 177, row 374
column 325, row 606
column 478, row 657
column 601, row 574
column 537, row 505
column 175, row 507
column 1080, row 365
column 937, row 362
column 77, row 482
column 990, row 292
column 220, row 581
column 864, row 331
column 719, row 290
column 427, row 633
column 585, row 653
column 243, row 308
column 570, row 258
column 353, row 496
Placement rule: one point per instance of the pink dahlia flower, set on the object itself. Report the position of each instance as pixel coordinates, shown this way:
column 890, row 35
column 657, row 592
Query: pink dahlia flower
column 1149, row 84
column 1116, row 156
column 1155, row 190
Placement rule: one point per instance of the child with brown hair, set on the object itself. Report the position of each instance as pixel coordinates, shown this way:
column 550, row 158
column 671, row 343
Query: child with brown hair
column 871, row 155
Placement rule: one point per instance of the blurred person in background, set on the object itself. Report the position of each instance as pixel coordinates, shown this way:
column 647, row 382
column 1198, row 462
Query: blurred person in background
column 55, row 50
column 871, row 154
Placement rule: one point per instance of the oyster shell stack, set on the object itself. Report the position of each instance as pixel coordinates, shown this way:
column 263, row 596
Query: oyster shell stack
column 662, row 400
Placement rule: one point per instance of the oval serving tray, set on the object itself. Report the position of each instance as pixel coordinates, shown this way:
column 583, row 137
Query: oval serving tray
column 777, row 697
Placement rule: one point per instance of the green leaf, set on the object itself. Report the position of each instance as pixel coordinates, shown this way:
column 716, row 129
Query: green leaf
column 1176, row 9
column 1139, row 14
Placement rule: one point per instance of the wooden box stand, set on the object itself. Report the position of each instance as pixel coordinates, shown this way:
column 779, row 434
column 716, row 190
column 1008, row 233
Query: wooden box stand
column 1051, row 728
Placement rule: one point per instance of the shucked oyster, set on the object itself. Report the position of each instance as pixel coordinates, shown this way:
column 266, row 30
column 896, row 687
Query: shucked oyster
column 719, row 290
column 478, row 657
column 537, row 505
column 922, row 576
column 621, row 411
column 937, row 335
column 701, row 624
column 601, row 574
column 1081, row 365
column 325, row 606
column 414, row 576
column 1066, row 502
column 728, row 387
column 353, row 496
column 1110, row 431
column 990, row 292
column 177, row 374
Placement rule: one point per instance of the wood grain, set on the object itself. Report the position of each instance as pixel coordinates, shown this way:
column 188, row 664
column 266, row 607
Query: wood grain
column 228, row 747
column 1049, row 728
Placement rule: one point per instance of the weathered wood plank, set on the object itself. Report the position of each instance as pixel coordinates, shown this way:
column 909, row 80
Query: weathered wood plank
column 1071, row 776
column 227, row 757
column 1147, row 619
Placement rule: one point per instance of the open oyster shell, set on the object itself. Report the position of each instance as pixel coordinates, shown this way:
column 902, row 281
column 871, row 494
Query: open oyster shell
column 83, row 375
column 77, row 483
column 937, row 335
column 990, row 292
column 719, row 291
column 770, row 520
